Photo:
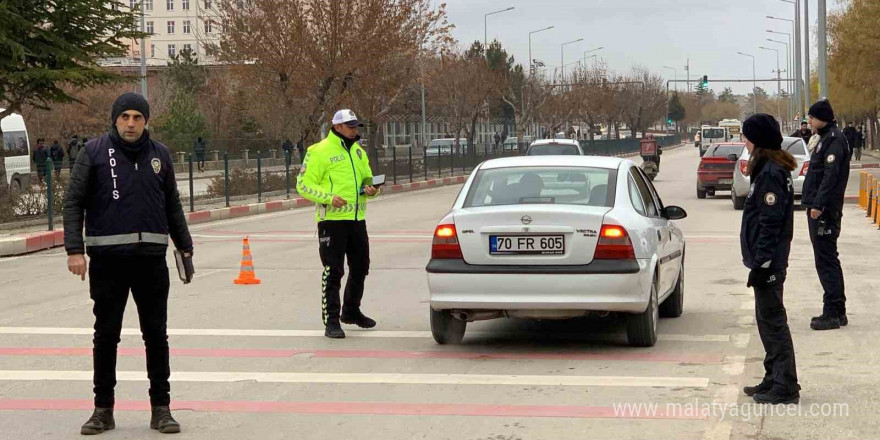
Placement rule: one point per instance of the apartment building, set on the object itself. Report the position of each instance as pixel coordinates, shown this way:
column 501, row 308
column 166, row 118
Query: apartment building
column 174, row 25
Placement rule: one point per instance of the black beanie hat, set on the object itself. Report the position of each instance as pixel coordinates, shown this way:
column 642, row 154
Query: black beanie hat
column 763, row 131
column 822, row 111
column 130, row 101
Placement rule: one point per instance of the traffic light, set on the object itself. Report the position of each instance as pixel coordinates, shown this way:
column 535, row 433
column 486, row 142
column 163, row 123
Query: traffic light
column 705, row 81
column 669, row 120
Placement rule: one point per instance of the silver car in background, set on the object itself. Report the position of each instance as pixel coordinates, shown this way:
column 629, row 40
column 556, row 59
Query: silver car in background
column 741, row 181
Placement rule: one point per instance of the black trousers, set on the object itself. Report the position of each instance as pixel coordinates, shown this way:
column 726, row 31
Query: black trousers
column 339, row 239
column 828, row 263
column 779, row 364
column 111, row 278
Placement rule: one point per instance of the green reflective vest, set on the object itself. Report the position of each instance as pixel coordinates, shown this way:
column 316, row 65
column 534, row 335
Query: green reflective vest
column 329, row 169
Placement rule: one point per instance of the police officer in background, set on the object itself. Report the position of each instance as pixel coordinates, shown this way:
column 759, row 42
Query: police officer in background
column 123, row 185
column 823, row 195
column 336, row 175
column 765, row 239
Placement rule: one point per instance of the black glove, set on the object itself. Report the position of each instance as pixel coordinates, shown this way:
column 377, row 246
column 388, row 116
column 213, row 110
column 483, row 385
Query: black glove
column 762, row 278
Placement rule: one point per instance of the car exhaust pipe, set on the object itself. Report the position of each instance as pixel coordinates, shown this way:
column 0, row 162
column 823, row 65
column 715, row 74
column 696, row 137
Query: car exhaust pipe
column 471, row 316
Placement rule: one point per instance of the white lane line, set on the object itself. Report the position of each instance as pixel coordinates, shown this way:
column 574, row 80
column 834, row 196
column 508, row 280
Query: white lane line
column 747, row 305
column 719, row 431
column 741, row 340
column 212, row 272
column 734, row 365
column 370, row 378
column 318, row 333
column 746, row 321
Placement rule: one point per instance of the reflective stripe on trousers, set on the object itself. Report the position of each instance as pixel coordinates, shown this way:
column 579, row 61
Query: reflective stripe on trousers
column 133, row 238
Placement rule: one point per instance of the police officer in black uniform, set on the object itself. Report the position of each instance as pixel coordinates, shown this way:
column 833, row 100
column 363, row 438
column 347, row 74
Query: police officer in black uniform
column 765, row 239
column 824, row 190
column 123, row 185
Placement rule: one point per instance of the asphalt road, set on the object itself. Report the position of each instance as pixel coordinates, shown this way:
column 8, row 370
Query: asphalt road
column 251, row 361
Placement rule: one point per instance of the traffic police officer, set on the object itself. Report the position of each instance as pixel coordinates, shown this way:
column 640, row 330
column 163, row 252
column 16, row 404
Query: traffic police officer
column 765, row 239
column 823, row 195
column 336, row 175
column 123, row 185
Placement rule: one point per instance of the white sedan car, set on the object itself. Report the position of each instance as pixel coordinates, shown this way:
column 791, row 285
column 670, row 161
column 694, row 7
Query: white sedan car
column 557, row 237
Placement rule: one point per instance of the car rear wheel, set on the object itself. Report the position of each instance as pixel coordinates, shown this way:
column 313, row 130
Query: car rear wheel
column 701, row 193
column 15, row 187
column 445, row 328
column 673, row 306
column 641, row 329
column 738, row 202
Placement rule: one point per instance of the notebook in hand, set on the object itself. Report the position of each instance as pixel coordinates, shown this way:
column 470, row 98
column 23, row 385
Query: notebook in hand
column 185, row 267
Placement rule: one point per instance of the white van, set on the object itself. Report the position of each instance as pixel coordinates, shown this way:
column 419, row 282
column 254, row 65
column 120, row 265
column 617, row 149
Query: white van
column 16, row 152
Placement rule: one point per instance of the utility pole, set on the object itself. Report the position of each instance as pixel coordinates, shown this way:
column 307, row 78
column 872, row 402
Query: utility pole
column 687, row 67
column 823, row 51
column 143, row 53
column 808, row 100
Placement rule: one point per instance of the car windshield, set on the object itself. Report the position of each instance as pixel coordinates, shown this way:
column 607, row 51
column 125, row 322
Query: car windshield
column 542, row 185
column 14, row 144
column 713, row 133
column 725, row 150
column 554, row 150
column 795, row 147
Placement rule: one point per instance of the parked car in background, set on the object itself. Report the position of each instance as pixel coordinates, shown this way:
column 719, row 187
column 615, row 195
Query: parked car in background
column 715, row 172
column 555, row 237
column 742, row 182
column 555, row 147
column 445, row 147
column 15, row 152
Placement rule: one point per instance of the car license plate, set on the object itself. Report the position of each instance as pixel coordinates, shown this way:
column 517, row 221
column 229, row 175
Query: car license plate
column 725, row 181
column 527, row 244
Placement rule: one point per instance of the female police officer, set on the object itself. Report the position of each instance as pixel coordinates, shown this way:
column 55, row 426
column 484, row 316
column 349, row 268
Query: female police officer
column 765, row 238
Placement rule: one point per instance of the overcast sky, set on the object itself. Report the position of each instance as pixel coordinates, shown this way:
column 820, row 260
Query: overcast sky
column 652, row 33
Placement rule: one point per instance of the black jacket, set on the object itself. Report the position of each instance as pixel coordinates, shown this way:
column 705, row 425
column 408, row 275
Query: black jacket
column 804, row 134
column 119, row 192
column 852, row 136
column 768, row 218
column 40, row 156
column 825, row 184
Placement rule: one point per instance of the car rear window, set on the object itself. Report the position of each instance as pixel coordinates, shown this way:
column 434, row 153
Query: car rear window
column 724, row 150
column 554, row 150
column 796, row 148
column 713, row 133
column 542, row 185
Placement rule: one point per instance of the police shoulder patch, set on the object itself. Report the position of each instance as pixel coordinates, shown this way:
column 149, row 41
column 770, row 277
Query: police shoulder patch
column 157, row 165
column 770, row 199
column 360, row 154
column 830, row 159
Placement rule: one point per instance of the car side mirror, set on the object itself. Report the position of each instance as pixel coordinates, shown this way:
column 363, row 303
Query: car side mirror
column 732, row 157
column 674, row 213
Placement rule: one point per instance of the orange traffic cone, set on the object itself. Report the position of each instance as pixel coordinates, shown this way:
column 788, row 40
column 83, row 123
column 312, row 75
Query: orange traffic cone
column 246, row 274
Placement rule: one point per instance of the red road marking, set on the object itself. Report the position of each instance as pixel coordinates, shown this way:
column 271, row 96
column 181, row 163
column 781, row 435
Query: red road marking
column 373, row 354
column 353, row 408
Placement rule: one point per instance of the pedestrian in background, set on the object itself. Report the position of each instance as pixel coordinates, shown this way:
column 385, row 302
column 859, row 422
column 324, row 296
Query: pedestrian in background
column 336, row 175
column 57, row 155
column 123, row 189
column 823, row 194
column 300, row 147
column 804, row 132
column 40, row 155
column 860, row 142
column 199, row 149
column 73, row 147
column 851, row 136
column 287, row 148
column 765, row 241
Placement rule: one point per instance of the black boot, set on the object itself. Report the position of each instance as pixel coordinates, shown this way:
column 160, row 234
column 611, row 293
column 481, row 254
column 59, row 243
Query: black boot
column 333, row 330
column 762, row 387
column 825, row 323
column 777, row 396
column 100, row 421
column 358, row 319
column 162, row 421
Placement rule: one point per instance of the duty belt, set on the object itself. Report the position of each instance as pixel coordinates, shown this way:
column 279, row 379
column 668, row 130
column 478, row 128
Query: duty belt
column 133, row 238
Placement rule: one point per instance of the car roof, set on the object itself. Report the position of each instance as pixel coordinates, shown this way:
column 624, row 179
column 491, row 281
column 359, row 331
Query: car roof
column 555, row 161
column 785, row 140
column 555, row 141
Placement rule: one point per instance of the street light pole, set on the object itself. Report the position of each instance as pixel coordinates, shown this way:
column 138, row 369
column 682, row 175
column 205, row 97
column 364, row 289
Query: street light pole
column 144, row 54
column 754, row 84
column 562, row 51
column 790, row 70
column 778, row 80
column 806, row 66
column 486, row 26
column 799, row 91
column 675, row 75
column 585, row 59
column 591, row 50
column 531, row 62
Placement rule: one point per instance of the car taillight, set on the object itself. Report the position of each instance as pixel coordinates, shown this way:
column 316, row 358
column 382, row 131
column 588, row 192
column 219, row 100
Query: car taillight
column 445, row 245
column 805, row 168
column 614, row 244
column 743, row 167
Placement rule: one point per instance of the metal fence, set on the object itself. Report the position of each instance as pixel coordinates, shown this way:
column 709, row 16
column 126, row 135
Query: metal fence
column 236, row 178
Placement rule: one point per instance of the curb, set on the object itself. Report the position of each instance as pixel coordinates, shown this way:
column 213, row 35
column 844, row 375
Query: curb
column 47, row 240
column 864, row 166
